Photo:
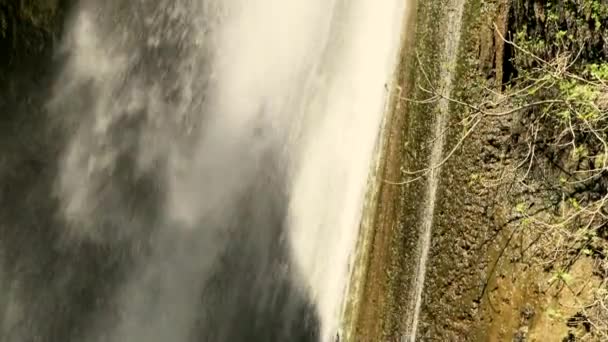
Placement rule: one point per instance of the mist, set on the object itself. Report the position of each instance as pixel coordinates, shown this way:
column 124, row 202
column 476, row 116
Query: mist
column 214, row 161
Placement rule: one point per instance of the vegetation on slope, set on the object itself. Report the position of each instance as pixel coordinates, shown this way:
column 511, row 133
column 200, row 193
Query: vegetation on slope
column 552, row 88
column 560, row 81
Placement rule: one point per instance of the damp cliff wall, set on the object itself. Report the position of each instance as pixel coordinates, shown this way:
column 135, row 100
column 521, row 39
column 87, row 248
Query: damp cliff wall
column 467, row 235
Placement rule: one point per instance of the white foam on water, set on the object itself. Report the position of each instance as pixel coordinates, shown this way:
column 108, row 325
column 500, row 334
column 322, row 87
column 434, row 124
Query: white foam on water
column 336, row 154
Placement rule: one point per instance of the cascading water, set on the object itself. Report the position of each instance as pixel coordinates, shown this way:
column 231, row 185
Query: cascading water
column 214, row 167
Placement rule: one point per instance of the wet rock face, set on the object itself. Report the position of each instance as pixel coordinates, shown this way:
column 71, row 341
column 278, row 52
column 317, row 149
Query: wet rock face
column 56, row 287
column 29, row 28
column 584, row 21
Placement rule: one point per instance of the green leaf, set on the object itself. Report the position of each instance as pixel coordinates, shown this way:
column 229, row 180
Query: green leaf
column 575, row 203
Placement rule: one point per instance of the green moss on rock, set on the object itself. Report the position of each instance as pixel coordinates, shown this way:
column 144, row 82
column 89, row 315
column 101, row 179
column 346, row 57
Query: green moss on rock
column 550, row 28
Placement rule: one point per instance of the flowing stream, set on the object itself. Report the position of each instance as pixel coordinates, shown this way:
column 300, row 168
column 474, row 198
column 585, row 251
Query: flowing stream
column 437, row 157
column 214, row 162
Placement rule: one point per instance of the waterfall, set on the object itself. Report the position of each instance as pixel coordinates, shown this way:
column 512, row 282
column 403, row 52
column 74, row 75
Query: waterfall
column 448, row 58
column 222, row 147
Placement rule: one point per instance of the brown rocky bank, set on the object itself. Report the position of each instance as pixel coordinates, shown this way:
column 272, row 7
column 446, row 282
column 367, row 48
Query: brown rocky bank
column 496, row 271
